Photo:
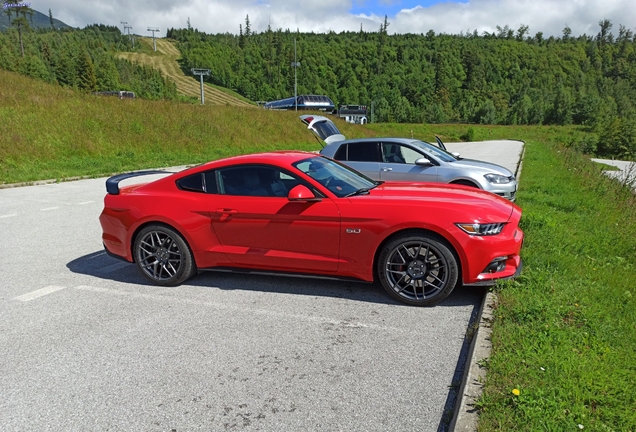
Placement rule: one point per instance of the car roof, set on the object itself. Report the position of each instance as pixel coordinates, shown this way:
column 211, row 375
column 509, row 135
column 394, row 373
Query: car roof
column 385, row 139
column 277, row 157
column 396, row 140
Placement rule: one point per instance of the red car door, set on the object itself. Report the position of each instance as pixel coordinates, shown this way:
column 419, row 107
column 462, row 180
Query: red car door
column 273, row 232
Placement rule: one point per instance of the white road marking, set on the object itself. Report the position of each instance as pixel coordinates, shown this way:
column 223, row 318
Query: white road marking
column 114, row 267
column 85, row 202
column 39, row 293
column 49, row 208
column 8, row 215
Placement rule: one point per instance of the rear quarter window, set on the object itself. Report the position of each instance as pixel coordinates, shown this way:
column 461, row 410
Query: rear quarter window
column 200, row 182
column 192, row 183
column 363, row 152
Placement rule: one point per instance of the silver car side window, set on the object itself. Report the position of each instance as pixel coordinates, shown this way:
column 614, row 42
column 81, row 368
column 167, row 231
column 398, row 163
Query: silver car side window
column 410, row 155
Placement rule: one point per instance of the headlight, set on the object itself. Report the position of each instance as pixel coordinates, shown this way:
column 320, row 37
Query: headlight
column 481, row 229
column 498, row 179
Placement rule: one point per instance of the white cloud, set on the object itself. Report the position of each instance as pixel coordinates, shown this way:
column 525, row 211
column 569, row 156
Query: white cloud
column 214, row 16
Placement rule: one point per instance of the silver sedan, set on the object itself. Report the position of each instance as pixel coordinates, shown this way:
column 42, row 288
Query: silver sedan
column 403, row 159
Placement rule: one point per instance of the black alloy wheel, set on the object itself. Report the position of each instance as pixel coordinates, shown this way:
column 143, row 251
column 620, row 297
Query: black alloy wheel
column 418, row 269
column 163, row 256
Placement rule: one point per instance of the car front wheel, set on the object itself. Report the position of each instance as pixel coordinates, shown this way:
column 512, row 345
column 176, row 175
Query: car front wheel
column 163, row 256
column 418, row 269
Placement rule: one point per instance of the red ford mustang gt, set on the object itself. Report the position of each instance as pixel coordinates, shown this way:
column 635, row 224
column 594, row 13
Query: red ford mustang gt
column 295, row 212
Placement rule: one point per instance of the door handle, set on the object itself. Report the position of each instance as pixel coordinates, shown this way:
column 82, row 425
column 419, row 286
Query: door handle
column 226, row 211
column 386, row 169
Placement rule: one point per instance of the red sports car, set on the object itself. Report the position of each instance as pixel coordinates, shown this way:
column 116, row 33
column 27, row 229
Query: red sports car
column 296, row 212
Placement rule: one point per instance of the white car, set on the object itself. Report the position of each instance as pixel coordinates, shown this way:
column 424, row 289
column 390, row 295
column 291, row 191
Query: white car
column 410, row 160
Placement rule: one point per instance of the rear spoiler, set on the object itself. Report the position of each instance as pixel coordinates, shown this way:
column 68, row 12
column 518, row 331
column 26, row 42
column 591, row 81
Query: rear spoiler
column 112, row 184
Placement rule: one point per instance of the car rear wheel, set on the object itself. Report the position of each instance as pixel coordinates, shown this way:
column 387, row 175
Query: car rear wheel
column 163, row 256
column 417, row 269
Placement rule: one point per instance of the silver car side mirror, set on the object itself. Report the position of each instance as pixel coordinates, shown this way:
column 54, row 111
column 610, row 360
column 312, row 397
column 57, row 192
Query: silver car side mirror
column 456, row 154
column 423, row 161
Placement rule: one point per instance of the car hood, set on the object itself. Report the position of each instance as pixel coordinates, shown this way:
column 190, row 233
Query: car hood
column 486, row 167
column 483, row 205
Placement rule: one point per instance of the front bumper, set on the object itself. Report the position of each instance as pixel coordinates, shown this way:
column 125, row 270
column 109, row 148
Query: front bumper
column 507, row 191
column 491, row 282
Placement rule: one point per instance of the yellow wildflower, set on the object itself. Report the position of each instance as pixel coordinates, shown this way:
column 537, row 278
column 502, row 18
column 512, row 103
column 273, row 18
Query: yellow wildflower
column 516, row 392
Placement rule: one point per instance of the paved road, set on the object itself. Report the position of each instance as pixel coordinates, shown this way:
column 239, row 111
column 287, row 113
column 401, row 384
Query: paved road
column 87, row 344
column 626, row 172
column 506, row 153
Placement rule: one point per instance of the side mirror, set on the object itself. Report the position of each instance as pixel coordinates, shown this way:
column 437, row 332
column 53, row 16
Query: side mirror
column 456, row 154
column 301, row 193
column 423, row 162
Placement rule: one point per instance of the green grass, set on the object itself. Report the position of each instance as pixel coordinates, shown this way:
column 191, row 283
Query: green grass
column 564, row 333
column 48, row 132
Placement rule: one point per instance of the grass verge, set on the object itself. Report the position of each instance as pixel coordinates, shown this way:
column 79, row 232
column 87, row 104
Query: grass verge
column 564, row 333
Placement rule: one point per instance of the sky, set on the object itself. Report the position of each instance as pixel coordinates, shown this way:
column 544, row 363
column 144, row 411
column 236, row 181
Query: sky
column 404, row 16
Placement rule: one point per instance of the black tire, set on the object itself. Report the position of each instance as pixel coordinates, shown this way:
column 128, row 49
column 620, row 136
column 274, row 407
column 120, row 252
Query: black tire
column 418, row 269
column 163, row 256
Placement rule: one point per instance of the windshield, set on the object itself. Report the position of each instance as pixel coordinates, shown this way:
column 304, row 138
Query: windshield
column 339, row 179
column 435, row 151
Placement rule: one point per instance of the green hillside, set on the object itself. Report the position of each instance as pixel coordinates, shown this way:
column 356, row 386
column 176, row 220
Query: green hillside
column 507, row 77
column 83, row 59
column 165, row 60
column 50, row 132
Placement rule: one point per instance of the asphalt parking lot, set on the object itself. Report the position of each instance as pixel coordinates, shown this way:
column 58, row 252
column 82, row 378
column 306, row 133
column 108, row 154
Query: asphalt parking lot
column 87, row 344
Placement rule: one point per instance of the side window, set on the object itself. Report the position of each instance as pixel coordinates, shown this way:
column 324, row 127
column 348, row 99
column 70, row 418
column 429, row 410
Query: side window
column 410, row 155
column 255, row 180
column 193, row 183
column 210, row 182
column 200, row 182
column 341, row 154
column 391, row 153
column 397, row 153
column 364, row 152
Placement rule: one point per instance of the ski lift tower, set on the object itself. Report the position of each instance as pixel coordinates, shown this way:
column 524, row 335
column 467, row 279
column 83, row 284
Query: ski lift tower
column 201, row 73
column 153, row 30
column 127, row 27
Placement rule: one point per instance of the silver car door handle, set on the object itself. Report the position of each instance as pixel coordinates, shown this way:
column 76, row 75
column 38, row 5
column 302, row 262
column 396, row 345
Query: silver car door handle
column 386, row 169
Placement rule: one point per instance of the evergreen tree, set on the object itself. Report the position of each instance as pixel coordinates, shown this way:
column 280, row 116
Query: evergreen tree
column 87, row 80
column 248, row 28
column 22, row 25
column 51, row 19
